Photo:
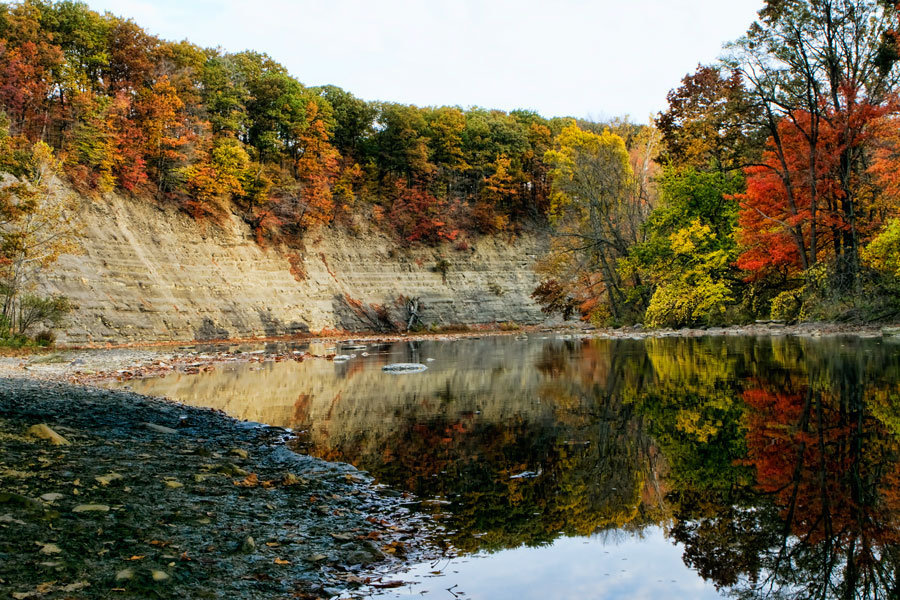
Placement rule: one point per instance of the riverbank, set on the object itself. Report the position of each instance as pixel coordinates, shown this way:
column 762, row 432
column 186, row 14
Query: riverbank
column 146, row 498
column 97, row 365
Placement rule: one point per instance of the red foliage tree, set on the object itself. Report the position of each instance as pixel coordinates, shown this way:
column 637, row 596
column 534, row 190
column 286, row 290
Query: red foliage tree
column 418, row 216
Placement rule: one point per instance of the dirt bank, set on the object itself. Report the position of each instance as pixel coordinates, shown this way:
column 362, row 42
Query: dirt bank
column 154, row 499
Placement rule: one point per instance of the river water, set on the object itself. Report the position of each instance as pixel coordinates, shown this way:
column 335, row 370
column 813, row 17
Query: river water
column 589, row 468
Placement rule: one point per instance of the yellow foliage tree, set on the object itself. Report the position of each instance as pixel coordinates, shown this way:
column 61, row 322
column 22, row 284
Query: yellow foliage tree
column 689, row 287
column 37, row 225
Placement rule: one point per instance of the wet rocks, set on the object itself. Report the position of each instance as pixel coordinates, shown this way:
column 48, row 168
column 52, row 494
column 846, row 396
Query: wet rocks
column 113, row 504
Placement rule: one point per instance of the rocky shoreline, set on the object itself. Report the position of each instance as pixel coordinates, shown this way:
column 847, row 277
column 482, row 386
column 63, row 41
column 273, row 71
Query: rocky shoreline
column 145, row 498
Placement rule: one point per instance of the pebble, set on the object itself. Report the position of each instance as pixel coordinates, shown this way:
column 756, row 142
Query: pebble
column 90, row 508
column 52, row 497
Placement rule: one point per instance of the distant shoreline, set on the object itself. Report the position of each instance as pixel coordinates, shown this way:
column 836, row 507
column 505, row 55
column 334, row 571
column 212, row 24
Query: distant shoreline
column 97, row 365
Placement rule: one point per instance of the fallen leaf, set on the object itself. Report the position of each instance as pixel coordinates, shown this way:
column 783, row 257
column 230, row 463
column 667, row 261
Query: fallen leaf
column 279, row 561
column 137, row 557
column 387, row 584
column 249, row 481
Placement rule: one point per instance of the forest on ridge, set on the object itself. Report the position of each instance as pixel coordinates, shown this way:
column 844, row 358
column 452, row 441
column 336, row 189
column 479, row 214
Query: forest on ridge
column 768, row 187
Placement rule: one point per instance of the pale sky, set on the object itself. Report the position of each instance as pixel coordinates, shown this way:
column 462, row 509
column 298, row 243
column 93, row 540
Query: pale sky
column 580, row 58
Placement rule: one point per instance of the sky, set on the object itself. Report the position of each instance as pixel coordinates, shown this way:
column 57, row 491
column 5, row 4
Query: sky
column 582, row 58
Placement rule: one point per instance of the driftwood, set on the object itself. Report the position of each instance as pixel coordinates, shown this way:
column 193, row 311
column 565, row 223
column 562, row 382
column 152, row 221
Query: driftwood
column 412, row 309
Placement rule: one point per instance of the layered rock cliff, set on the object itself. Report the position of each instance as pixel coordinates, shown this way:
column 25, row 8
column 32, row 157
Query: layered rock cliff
column 154, row 274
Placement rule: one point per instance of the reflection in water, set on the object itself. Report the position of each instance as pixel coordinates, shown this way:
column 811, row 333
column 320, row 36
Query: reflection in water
column 772, row 462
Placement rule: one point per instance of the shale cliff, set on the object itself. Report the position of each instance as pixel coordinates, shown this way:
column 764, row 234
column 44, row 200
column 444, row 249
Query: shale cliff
column 154, row 274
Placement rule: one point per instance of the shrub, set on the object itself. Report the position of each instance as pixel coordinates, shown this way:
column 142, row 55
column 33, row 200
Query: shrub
column 45, row 338
column 786, row 305
column 36, row 309
column 442, row 266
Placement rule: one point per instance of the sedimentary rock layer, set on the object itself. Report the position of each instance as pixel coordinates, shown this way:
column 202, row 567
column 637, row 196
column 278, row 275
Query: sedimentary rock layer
column 153, row 274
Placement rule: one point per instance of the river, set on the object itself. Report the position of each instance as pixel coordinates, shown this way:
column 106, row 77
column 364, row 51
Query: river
column 587, row 468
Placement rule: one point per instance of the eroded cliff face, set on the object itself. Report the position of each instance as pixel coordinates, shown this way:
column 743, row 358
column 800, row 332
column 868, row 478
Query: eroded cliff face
column 154, row 274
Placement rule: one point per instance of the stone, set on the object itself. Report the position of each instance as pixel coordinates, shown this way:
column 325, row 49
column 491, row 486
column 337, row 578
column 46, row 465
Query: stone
column 49, row 548
column 44, row 432
column 159, row 575
column 125, row 575
column 290, row 479
column 231, row 470
column 107, row 479
column 52, row 497
column 160, row 428
column 81, row 508
column 248, row 545
column 172, row 484
column 359, row 557
column 239, row 452
column 10, row 519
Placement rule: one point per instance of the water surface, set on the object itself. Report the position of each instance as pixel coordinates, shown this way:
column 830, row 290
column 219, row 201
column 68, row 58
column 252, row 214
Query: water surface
column 678, row 467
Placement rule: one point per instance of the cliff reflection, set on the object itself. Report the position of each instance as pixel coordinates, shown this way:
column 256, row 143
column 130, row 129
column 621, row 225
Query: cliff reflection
column 773, row 461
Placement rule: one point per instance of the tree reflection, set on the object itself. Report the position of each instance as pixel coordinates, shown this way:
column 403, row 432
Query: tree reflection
column 824, row 522
column 775, row 462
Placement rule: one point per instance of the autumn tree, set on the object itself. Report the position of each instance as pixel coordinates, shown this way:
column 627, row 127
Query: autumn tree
column 166, row 132
column 37, row 225
column 709, row 122
column 594, row 222
column 819, row 72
